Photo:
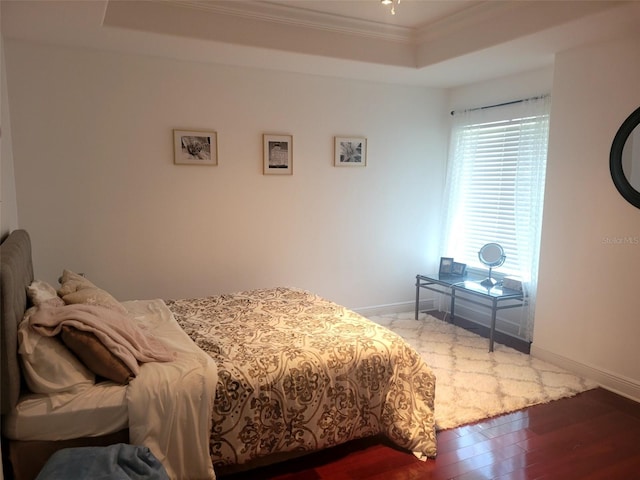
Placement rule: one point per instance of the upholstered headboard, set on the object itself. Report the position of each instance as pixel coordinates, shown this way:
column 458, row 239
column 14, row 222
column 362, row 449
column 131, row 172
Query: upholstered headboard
column 16, row 274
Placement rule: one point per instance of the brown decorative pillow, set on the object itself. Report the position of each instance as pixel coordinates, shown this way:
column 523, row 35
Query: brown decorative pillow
column 95, row 356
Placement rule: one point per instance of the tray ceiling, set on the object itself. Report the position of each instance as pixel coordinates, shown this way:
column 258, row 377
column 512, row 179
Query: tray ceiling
column 430, row 43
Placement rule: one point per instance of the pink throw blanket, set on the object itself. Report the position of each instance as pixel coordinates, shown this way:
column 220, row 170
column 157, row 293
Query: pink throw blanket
column 116, row 331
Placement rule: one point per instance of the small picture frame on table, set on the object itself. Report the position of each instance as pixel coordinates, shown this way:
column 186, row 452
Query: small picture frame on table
column 446, row 265
column 195, row 147
column 458, row 268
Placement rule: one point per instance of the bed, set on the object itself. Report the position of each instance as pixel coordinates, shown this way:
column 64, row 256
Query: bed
column 272, row 373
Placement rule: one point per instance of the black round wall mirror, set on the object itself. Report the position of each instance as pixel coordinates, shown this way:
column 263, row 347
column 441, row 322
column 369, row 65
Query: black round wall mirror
column 624, row 161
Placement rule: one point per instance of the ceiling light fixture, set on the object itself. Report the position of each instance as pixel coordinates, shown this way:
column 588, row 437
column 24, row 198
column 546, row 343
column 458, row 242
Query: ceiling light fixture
column 393, row 3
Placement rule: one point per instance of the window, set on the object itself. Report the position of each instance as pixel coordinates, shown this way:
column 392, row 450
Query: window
column 495, row 185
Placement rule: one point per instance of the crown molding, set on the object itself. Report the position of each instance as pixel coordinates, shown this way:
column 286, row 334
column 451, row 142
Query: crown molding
column 301, row 17
column 506, row 16
column 464, row 20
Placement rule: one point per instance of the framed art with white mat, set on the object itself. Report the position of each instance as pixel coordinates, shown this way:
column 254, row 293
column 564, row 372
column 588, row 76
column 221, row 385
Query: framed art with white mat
column 350, row 152
column 195, row 147
column 278, row 154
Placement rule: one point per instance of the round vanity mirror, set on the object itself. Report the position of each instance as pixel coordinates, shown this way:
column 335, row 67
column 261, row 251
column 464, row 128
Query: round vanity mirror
column 624, row 161
column 492, row 255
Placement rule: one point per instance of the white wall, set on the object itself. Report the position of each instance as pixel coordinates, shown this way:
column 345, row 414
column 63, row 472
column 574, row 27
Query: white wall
column 8, row 207
column 588, row 303
column 97, row 189
column 7, row 182
column 503, row 89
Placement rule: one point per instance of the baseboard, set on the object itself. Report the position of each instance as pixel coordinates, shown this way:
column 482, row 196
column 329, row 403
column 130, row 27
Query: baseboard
column 427, row 304
column 616, row 383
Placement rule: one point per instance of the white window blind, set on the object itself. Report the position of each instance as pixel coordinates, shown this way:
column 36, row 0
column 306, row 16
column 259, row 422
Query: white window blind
column 495, row 189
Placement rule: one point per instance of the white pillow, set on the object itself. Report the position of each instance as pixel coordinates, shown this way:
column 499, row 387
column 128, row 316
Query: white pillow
column 77, row 289
column 41, row 293
column 48, row 366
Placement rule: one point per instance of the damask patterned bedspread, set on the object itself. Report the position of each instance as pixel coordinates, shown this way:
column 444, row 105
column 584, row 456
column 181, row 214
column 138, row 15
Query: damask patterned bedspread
column 300, row 373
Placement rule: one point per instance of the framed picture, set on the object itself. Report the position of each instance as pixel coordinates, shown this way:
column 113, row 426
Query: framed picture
column 278, row 154
column 446, row 265
column 458, row 268
column 195, row 147
column 350, row 152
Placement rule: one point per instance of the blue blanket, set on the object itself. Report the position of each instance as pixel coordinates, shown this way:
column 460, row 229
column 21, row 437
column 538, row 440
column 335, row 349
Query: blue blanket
column 115, row 462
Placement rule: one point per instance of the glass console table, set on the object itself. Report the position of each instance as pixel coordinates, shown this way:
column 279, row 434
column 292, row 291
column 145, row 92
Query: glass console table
column 469, row 290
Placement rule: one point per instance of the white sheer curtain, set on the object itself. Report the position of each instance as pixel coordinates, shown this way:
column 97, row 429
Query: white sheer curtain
column 495, row 187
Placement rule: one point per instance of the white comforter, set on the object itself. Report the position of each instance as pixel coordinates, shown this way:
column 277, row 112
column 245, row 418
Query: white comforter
column 170, row 404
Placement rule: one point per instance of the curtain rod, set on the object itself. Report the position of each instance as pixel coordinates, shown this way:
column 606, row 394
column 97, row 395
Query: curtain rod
column 539, row 97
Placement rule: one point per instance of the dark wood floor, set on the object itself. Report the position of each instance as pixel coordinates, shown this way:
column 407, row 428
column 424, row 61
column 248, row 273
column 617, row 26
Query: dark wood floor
column 595, row 435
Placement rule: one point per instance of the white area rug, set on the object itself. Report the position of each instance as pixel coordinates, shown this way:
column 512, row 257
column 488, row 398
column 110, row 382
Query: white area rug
column 473, row 384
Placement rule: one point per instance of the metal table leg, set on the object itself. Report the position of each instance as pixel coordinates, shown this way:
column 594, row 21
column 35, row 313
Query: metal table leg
column 417, row 296
column 494, row 306
column 453, row 303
